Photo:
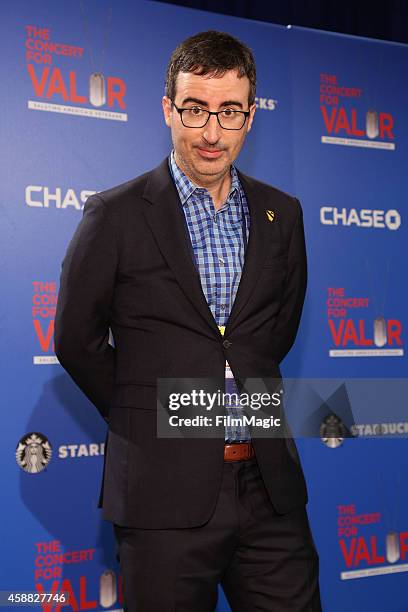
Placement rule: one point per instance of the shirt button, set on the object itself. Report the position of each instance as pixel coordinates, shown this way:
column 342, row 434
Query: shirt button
column 220, row 259
column 226, row 344
column 223, row 306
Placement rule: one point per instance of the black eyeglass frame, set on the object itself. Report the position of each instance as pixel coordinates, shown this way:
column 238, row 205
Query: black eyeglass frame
column 216, row 113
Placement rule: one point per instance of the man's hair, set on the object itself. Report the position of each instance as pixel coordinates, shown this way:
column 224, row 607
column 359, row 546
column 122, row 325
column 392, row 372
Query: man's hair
column 211, row 53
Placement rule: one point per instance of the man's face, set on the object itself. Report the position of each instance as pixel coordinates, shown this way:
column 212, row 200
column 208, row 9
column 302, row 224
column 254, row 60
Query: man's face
column 205, row 154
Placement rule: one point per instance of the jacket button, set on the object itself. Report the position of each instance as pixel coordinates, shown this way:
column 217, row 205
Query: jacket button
column 226, row 344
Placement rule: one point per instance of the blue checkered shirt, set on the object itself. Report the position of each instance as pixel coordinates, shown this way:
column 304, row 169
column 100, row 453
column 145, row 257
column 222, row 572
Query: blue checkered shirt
column 217, row 238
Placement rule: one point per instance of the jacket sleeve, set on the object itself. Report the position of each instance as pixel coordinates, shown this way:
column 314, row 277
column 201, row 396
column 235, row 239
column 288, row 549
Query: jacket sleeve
column 288, row 319
column 84, row 306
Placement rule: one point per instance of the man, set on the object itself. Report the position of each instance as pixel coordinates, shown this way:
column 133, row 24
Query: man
column 193, row 266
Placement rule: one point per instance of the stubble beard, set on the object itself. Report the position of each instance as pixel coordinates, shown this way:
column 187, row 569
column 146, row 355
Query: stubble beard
column 201, row 176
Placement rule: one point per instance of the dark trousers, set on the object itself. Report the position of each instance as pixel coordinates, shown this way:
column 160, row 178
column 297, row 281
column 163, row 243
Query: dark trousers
column 265, row 562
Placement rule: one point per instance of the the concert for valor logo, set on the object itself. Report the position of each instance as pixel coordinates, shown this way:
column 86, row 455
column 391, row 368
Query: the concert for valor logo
column 374, row 543
column 349, row 118
column 79, row 84
column 360, row 324
column 43, row 309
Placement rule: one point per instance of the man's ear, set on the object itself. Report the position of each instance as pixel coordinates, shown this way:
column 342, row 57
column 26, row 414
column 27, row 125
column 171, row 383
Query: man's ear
column 252, row 110
column 166, row 104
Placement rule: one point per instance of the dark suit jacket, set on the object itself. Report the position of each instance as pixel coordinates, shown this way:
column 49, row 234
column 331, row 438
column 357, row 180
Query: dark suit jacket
column 129, row 267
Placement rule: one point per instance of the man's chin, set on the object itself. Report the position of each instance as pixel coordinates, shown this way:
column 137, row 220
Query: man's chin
column 211, row 167
column 202, row 169
column 204, row 176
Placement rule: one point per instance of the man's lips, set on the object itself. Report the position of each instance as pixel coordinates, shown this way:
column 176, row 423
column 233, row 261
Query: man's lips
column 209, row 153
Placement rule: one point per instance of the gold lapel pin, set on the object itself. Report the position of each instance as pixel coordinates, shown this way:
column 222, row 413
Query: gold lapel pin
column 270, row 215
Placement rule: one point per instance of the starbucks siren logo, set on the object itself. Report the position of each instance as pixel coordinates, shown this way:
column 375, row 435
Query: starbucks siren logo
column 332, row 431
column 33, row 452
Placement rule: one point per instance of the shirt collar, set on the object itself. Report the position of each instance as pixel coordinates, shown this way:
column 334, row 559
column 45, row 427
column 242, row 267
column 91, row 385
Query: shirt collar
column 185, row 185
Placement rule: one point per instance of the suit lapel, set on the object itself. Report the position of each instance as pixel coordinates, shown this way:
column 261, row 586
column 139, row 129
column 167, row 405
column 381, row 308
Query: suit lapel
column 166, row 220
column 262, row 233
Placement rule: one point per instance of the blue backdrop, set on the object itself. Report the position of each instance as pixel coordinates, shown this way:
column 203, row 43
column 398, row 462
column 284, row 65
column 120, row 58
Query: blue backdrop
column 331, row 128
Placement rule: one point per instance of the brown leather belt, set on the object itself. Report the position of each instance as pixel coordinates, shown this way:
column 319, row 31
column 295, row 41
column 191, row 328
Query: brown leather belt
column 241, row 451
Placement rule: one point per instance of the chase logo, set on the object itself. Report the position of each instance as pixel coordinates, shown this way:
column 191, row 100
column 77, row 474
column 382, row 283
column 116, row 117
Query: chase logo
column 377, row 219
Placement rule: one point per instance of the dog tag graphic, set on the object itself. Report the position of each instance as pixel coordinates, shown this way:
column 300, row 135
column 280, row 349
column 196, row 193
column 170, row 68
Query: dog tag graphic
column 380, row 331
column 372, row 130
column 97, row 95
column 107, row 589
column 97, row 87
column 392, row 547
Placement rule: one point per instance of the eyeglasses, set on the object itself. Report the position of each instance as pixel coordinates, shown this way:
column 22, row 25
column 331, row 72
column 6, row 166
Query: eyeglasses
column 197, row 117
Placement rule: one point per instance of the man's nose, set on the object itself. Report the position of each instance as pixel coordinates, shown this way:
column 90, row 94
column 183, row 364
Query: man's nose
column 212, row 130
